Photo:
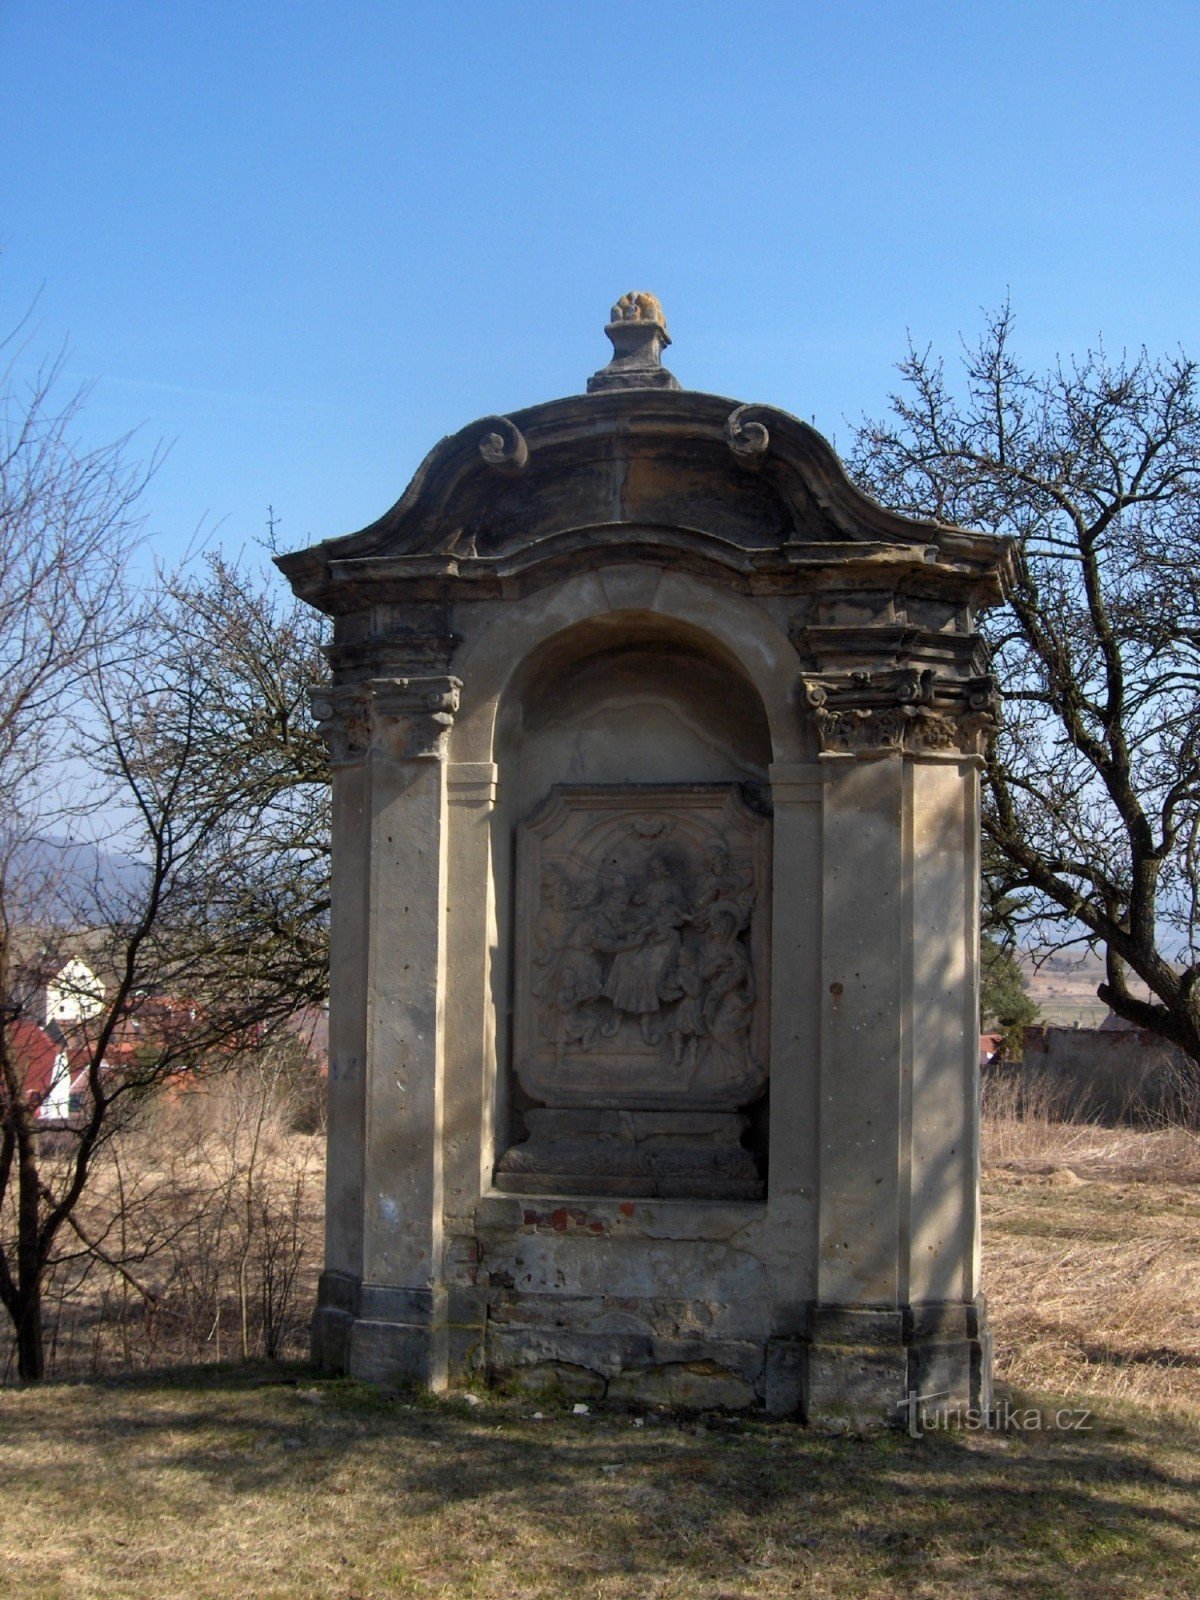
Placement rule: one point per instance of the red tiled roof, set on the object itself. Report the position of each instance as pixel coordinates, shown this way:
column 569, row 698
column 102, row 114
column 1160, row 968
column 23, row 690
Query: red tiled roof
column 34, row 1053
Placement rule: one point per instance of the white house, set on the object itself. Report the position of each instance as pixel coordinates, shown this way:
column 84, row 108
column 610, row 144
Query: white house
column 73, row 994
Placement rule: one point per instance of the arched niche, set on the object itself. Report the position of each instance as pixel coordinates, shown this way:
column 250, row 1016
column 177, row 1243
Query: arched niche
column 629, row 697
column 662, row 605
column 631, row 846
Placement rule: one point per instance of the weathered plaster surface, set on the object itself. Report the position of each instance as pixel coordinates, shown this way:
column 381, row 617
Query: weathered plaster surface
column 646, row 592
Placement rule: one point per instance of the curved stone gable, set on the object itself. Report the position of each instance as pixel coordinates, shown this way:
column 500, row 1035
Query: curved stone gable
column 695, row 480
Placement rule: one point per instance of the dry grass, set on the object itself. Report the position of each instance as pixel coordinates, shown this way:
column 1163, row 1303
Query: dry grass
column 203, row 1221
column 219, row 1483
column 275, row 1485
column 1092, row 1257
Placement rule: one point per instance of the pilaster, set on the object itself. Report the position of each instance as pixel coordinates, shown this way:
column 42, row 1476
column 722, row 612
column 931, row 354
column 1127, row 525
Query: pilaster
column 387, row 742
column 797, row 790
column 901, row 716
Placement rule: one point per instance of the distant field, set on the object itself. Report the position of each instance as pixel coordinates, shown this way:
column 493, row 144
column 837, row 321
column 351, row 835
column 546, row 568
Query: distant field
column 1064, row 988
column 1091, row 1247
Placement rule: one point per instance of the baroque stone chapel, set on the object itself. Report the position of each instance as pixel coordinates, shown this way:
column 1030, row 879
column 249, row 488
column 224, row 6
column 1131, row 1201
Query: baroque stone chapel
column 654, row 948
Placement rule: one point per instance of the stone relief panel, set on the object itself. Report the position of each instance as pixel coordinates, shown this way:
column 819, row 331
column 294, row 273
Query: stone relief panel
column 643, row 921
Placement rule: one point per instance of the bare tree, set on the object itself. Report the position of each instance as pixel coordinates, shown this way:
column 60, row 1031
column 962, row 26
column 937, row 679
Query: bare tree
column 250, row 660
column 192, row 985
column 137, row 724
column 1092, row 796
column 68, row 524
column 199, row 1230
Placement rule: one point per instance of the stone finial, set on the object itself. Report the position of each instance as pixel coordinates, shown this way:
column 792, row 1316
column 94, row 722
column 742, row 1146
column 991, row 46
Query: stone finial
column 640, row 307
column 638, row 332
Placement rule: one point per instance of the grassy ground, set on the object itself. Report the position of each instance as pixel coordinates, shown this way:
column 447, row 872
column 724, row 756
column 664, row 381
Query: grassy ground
column 1092, row 1261
column 217, row 1483
column 267, row 1483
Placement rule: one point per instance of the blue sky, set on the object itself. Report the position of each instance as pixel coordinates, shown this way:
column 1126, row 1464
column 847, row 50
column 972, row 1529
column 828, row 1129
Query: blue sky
column 300, row 243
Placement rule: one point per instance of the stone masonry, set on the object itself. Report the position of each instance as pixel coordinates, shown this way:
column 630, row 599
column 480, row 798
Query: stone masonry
column 654, row 982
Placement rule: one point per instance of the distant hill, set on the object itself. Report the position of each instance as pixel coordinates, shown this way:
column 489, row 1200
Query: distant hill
column 60, row 880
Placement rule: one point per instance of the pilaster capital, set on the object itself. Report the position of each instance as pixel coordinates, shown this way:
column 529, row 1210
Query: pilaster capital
column 404, row 719
column 342, row 713
column 412, row 716
column 901, row 711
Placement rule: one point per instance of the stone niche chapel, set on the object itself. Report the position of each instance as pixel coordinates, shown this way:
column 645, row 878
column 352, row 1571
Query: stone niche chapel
column 654, row 988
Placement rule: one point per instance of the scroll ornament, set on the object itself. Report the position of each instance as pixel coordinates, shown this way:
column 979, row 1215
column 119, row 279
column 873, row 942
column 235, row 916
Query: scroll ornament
column 747, row 435
column 502, row 445
column 343, row 719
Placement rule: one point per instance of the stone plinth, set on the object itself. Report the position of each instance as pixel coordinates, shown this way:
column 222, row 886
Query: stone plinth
column 655, row 949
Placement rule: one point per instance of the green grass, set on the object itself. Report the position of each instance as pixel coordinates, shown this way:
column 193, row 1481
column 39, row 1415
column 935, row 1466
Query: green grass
column 228, row 1481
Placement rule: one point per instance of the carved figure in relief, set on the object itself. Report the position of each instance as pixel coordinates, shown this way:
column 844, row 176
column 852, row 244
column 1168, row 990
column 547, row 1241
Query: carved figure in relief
column 574, row 1022
column 567, row 966
column 723, row 885
column 687, row 1025
column 640, row 928
column 580, row 943
column 729, row 994
column 657, row 938
column 648, row 952
column 551, row 935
